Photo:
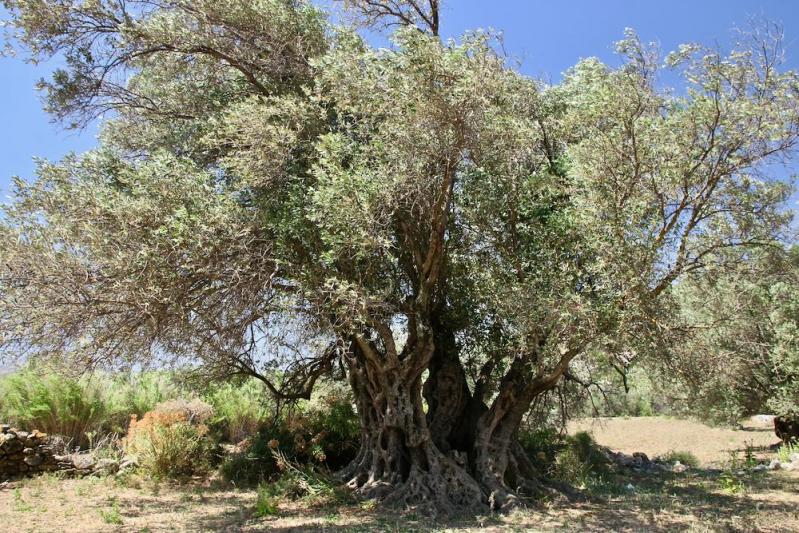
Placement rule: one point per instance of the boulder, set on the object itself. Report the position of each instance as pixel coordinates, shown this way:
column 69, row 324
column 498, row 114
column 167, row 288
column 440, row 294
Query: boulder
column 83, row 461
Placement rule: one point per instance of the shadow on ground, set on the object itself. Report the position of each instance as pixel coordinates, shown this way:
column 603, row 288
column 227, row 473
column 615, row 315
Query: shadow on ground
column 708, row 499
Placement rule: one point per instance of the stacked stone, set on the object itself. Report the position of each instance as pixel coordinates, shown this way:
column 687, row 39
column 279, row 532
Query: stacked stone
column 23, row 453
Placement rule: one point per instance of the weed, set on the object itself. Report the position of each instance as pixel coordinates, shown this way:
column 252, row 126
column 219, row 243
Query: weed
column 786, row 451
column 112, row 515
column 265, row 503
column 20, row 505
column 731, row 483
column 730, row 480
column 749, row 455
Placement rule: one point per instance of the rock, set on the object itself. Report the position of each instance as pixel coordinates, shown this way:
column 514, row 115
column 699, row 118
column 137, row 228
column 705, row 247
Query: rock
column 5, row 428
column 34, row 460
column 106, row 466
column 83, row 461
column 12, row 445
column 775, row 464
column 640, row 458
column 679, row 468
column 794, row 458
column 760, row 468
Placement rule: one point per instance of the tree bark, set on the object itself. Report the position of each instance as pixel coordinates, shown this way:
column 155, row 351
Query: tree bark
column 461, row 455
column 399, row 463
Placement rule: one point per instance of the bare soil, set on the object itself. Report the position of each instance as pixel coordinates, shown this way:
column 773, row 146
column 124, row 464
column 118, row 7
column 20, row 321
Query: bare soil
column 658, row 435
column 704, row 499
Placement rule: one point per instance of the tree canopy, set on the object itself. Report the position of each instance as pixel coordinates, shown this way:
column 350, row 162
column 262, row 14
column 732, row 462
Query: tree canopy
column 271, row 191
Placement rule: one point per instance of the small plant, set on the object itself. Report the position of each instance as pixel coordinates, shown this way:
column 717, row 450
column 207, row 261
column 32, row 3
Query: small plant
column 112, row 515
column 265, row 503
column 20, row 505
column 749, row 455
column 730, row 479
column 785, row 451
column 684, row 457
column 731, row 483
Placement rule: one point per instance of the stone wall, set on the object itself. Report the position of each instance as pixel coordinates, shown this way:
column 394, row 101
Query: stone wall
column 23, row 453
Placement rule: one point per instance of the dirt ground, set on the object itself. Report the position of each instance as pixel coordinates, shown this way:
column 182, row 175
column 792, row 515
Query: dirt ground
column 658, row 435
column 705, row 499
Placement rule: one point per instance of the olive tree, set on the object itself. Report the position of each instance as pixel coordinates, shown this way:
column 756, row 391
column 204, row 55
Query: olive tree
column 272, row 192
column 735, row 340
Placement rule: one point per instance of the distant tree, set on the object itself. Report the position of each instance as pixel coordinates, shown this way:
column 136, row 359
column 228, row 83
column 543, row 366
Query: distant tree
column 736, row 350
column 272, row 192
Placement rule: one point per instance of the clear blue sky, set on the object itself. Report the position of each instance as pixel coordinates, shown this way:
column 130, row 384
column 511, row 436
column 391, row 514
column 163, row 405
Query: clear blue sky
column 548, row 37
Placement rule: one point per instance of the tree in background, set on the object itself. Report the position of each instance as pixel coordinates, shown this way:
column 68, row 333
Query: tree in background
column 736, row 350
column 270, row 191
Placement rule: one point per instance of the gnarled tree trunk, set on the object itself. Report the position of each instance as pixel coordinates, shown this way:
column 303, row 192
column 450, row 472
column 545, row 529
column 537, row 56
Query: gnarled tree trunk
column 460, row 455
column 399, row 462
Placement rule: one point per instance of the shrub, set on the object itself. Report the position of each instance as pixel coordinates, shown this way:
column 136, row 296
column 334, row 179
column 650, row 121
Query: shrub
column 80, row 409
column 330, row 431
column 686, row 458
column 136, row 394
column 194, row 411
column 324, row 432
column 580, row 462
column 171, row 441
column 542, row 445
column 53, row 404
column 240, row 409
column 265, row 504
column 255, row 464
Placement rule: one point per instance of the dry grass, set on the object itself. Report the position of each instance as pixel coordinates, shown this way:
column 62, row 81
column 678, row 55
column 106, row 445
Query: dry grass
column 695, row 501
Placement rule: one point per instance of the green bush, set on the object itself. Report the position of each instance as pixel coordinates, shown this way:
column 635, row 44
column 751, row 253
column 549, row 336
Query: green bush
column 542, row 446
column 265, row 504
column 241, row 408
column 324, row 432
column 255, row 464
column 81, row 409
column 330, row 430
column 136, row 394
column 686, row 458
column 580, row 462
column 54, row 404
